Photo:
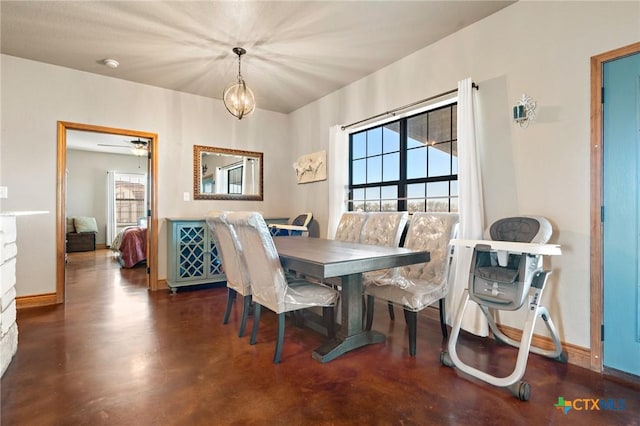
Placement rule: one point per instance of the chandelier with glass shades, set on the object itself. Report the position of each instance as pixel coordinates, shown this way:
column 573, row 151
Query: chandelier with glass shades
column 237, row 97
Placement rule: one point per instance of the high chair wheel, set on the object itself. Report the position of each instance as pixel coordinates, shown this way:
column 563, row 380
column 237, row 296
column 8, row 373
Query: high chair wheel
column 445, row 359
column 521, row 390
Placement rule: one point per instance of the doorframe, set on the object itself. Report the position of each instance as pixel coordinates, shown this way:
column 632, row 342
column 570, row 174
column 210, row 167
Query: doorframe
column 61, row 189
column 597, row 306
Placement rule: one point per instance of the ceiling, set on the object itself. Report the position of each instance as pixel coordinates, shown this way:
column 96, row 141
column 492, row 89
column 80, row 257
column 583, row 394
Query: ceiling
column 297, row 52
column 105, row 143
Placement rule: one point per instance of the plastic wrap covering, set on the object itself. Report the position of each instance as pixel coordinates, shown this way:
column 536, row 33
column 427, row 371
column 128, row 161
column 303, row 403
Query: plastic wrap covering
column 383, row 228
column 350, row 226
column 230, row 252
column 417, row 286
column 269, row 284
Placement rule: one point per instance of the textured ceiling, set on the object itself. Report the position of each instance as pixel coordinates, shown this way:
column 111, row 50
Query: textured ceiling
column 297, row 52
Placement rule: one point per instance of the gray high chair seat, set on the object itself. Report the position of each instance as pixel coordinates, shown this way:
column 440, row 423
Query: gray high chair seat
column 501, row 279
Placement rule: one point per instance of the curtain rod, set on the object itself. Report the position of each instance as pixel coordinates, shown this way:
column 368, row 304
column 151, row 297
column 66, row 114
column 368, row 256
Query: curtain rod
column 393, row 111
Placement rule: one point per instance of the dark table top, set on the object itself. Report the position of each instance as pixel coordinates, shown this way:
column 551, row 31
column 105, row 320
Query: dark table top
column 322, row 258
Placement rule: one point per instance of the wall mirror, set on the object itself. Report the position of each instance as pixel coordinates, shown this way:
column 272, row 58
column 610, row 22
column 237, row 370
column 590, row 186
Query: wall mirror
column 226, row 174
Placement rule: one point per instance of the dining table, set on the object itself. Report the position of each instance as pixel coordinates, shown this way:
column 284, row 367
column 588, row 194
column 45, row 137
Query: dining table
column 324, row 258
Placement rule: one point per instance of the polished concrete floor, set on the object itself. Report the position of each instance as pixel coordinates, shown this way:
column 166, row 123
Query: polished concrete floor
column 116, row 354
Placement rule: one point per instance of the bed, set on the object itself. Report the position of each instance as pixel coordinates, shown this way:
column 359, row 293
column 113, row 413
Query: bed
column 131, row 245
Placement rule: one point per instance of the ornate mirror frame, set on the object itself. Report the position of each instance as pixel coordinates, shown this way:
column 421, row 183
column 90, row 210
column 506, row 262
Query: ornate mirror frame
column 198, row 194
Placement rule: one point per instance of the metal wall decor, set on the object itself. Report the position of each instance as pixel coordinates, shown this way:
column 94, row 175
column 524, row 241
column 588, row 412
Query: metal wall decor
column 524, row 111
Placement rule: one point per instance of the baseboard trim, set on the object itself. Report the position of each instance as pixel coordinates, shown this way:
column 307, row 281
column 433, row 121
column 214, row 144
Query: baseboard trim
column 101, row 246
column 35, row 301
column 577, row 355
column 162, row 285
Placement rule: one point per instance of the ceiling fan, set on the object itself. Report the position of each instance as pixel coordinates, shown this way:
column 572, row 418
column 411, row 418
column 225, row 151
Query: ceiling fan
column 138, row 146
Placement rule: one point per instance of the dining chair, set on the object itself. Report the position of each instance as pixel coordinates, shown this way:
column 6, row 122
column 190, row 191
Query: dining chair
column 350, row 226
column 233, row 264
column 383, row 229
column 270, row 286
column 415, row 287
column 349, row 229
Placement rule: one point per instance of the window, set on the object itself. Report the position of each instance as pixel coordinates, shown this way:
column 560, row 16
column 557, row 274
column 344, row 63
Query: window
column 130, row 198
column 406, row 165
column 234, row 180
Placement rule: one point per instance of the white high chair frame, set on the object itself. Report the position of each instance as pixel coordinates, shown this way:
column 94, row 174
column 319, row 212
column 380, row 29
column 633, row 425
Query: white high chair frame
column 512, row 382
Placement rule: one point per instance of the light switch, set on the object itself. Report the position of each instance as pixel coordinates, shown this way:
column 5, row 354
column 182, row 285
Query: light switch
column 4, row 192
column 186, row 196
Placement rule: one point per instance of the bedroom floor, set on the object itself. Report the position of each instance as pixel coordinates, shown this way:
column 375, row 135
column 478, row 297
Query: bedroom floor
column 118, row 354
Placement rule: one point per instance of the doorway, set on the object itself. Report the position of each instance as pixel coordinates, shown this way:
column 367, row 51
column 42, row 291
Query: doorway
column 61, row 205
column 607, row 222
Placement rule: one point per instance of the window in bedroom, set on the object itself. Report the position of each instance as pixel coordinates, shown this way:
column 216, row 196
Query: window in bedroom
column 409, row 164
column 130, row 190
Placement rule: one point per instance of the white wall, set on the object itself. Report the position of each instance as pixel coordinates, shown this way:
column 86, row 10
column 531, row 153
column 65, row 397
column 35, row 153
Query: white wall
column 36, row 95
column 543, row 49
column 1, row 183
column 87, row 183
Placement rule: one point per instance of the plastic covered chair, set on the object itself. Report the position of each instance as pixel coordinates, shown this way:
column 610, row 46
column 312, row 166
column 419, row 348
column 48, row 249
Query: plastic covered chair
column 383, row 229
column 269, row 284
column 415, row 287
column 297, row 226
column 350, row 226
column 233, row 264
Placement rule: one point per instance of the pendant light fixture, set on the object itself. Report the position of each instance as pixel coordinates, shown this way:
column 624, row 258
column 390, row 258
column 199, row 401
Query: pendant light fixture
column 237, row 97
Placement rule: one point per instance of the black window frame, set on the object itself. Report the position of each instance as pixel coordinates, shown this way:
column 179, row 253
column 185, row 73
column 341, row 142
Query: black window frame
column 402, row 204
column 234, row 180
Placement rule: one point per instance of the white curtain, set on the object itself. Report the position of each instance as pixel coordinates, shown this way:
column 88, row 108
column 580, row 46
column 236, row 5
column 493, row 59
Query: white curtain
column 221, row 181
column 111, row 207
column 337, row 177
column 471, row 209
column 247, row 176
